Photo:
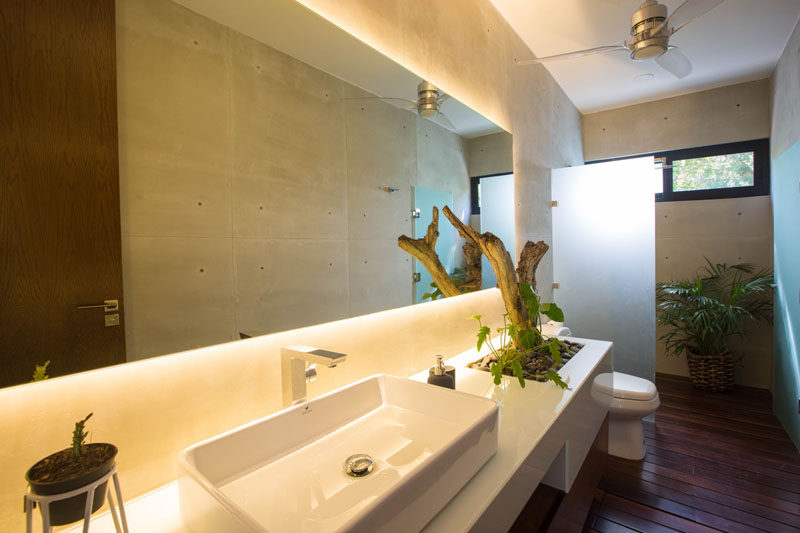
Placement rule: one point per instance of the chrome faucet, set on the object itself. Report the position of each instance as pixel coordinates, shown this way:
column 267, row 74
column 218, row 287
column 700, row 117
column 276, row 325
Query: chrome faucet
column 295, row 374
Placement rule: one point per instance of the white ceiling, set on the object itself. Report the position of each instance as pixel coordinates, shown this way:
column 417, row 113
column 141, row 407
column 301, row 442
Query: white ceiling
column 295, row 30
column 738, row 41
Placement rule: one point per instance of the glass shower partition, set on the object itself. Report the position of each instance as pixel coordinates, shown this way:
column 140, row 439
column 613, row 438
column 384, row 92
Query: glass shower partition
column 497, row 216
column 604, row 256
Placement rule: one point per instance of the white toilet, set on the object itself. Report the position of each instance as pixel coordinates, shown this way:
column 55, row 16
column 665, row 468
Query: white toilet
column 631, row 398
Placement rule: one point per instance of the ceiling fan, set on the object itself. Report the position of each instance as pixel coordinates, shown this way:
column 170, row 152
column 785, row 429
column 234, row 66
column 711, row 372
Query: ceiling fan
column 428, row 103
column 651, row 30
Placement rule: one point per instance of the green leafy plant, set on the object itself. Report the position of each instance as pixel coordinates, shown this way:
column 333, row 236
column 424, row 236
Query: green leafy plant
column 79, row 437
column 40, row 372
column 459, row 277
column 703, row 313
column 517, row 346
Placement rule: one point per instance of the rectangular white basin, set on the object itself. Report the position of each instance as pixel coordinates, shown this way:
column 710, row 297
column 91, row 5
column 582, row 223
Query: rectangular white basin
column 286, row 472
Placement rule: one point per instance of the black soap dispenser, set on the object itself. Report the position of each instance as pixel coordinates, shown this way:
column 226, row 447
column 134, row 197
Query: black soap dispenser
column 440, row 376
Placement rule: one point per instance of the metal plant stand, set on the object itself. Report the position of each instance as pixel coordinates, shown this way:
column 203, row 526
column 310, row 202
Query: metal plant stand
column 44, row 500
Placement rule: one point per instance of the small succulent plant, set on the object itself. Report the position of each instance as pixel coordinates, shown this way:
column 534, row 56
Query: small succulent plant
column 40, row 372
column 79, row 437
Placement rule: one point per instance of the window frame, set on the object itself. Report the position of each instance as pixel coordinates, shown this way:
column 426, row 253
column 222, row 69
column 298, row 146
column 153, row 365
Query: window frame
column 761, row 170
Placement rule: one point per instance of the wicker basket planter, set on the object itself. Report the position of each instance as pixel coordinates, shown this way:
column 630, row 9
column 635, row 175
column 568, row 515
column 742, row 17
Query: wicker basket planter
column 712, row 373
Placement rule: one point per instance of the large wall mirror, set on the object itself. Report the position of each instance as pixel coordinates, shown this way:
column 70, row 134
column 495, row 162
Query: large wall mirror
column 262, row 184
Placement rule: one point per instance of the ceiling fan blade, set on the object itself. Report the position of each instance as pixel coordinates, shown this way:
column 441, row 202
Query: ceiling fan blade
column 444, row 121
column 572, row 55
column 675, row 62
column 443, row 98
column 686, row 13
column 406, row 100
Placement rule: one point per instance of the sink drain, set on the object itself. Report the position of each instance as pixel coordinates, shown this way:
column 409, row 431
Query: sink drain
column 358, row 465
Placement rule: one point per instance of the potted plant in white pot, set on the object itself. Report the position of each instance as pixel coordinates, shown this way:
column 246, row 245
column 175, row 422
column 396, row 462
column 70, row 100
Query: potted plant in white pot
column 705, row 312
column 70, row 469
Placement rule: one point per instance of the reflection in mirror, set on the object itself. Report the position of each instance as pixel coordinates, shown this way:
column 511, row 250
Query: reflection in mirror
column 497, row 216
column 262, row 186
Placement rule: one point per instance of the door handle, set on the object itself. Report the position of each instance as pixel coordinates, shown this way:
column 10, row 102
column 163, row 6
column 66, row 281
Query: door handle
column 109, row 305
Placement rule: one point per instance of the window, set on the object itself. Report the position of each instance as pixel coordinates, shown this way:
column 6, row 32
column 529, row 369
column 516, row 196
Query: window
column 713, row 172
column 721, row 171
column 475, row 190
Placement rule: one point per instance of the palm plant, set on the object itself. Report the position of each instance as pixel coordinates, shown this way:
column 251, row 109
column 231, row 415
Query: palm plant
column 705, row 312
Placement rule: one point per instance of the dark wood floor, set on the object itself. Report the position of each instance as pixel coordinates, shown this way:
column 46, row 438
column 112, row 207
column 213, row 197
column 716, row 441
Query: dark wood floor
column 715, row 462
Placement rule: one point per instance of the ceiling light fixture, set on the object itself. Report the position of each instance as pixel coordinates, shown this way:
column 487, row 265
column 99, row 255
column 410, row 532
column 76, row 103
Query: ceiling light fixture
column 646, row 43
column 427, row 99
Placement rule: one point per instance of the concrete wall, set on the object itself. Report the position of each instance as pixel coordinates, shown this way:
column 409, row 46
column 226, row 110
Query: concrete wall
column 251, row 197
column 786, row 219
column 785, row 97
column 728, row 114
column 490, row 154
column 731, row 230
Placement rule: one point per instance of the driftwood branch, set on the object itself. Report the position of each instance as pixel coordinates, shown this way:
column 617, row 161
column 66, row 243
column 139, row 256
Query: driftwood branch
column 529, row 259
column 495, row 251
column 424, row 251
column 472, row 256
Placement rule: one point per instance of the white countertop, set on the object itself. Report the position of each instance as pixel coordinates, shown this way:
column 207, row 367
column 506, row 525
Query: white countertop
column 526, row 416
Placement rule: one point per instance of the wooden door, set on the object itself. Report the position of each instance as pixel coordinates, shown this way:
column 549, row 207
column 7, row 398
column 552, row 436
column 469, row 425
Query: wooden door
column 59, row 187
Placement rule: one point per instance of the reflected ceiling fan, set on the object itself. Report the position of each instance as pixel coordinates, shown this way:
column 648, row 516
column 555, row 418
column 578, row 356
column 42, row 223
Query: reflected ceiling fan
column 428, row 103
column 651, row 30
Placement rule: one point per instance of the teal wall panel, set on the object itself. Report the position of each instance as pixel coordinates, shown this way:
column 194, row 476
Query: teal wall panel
column 786, row 219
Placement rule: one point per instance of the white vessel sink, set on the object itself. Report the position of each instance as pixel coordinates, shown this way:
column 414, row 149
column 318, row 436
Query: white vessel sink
column 286, row 472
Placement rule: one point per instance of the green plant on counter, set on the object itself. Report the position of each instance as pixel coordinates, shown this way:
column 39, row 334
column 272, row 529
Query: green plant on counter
column 459, row 277
column 79, row 437
column 703, row 313
column 40, row 372
column 530, row 341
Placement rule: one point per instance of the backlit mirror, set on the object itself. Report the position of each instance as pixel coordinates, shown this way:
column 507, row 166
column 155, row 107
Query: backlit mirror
column 263, row 184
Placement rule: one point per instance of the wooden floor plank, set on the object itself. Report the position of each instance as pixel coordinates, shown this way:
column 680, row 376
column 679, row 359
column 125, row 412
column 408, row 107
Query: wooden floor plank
column 603, row 525
column 741, row 414
column 758, row 464
column 710, row 423
column 715, row 462
column 724, row 441
column 621, row 484
column 676, row 434
column 647, row 472
column 755, row 508
column 705, row 480
column 655, row 516
column 631, row 521
column 761, row 475
column 732, row 438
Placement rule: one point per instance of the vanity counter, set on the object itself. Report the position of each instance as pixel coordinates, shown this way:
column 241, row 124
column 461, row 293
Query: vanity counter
column 537, row 424
column 544, row 436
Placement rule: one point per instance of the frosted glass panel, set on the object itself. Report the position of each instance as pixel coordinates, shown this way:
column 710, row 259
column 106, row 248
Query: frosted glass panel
column 497, row 216
column 604, row 257
column 424, row 200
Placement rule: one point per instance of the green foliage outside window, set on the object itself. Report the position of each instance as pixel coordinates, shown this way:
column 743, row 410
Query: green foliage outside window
column 714, row 172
